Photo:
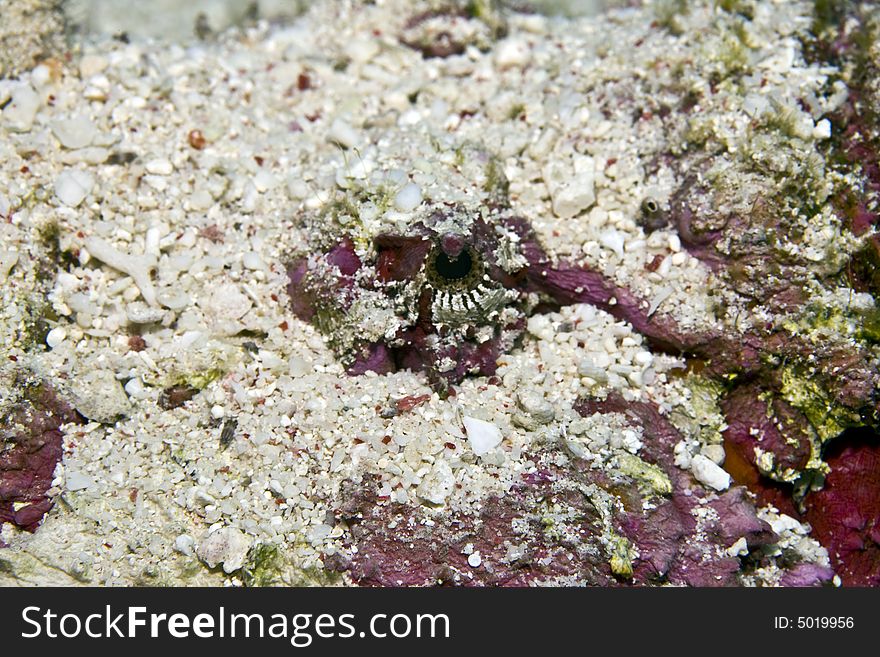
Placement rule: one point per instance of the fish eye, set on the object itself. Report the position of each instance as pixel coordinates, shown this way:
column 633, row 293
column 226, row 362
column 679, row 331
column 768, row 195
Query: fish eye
column 453, row 269
column 651, row 216
column 650, row 206
column 460, row 271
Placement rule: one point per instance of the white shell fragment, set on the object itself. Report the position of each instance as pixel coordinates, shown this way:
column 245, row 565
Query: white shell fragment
column 138, row 267
column 483, row 436
column 228, row 546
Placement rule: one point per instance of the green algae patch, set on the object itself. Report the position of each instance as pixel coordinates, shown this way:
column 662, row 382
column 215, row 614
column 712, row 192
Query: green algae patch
column 818, row 322
column 827, row 418
column 268, row 566
column 701, row 416
column 650, row 479
column 264, row 566
column 200, row 379
column 198, row 369
column 621, row 554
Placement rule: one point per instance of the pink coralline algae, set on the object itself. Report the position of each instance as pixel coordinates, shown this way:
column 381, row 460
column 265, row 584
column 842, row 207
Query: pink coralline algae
column 551, row 527
column 684, row 538
column 30, row 451
column 759, row 421
column 803, row 372
column 855, row 144
column 845, row 513
column 396, row 548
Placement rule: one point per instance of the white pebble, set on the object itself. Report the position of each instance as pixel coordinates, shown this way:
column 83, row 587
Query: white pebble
column 343, row 134
column 511, row 53
column 173, row 299
column 408, row 198
column 822, row 129
column 72, row 186
column 536, row 406
column 674, row 243
column 362, row 50
column 739, row 548
column 714, row 453
column 56, row 336
column 217, row 412
column 252, row 260
column 184, row 544
column 99, row 396
column 785, row 523
column 644, row 358
column 75, row 132
column 572, row 188
column 665, row 266
column 682, row 455
column 160, row 167
column 41, row 75
column 678, row 259
column 152, row 241
column 78, row 481
column 228, row 302
column 19, row 114
column 474, row 559
column 588, row 368
column 438, row 484
column 264, row 181
column 91, row 65
column 134, row 388
column 540, row 327
column 483, row 436
column 709, row 473
column 612, row 239
column 94, row 93
column 138, row 312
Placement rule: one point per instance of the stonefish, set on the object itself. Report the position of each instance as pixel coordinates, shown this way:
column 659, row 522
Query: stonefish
column 443, row 283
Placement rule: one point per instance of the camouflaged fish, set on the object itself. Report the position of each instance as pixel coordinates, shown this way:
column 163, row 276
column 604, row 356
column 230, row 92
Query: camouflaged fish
column 445, row 289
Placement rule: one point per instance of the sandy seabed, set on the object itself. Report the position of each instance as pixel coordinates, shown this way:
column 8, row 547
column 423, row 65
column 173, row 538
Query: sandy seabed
column 155, row 197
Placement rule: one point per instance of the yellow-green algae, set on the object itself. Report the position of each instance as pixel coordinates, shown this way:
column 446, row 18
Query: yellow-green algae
column 621, row 555
column 650, row 479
